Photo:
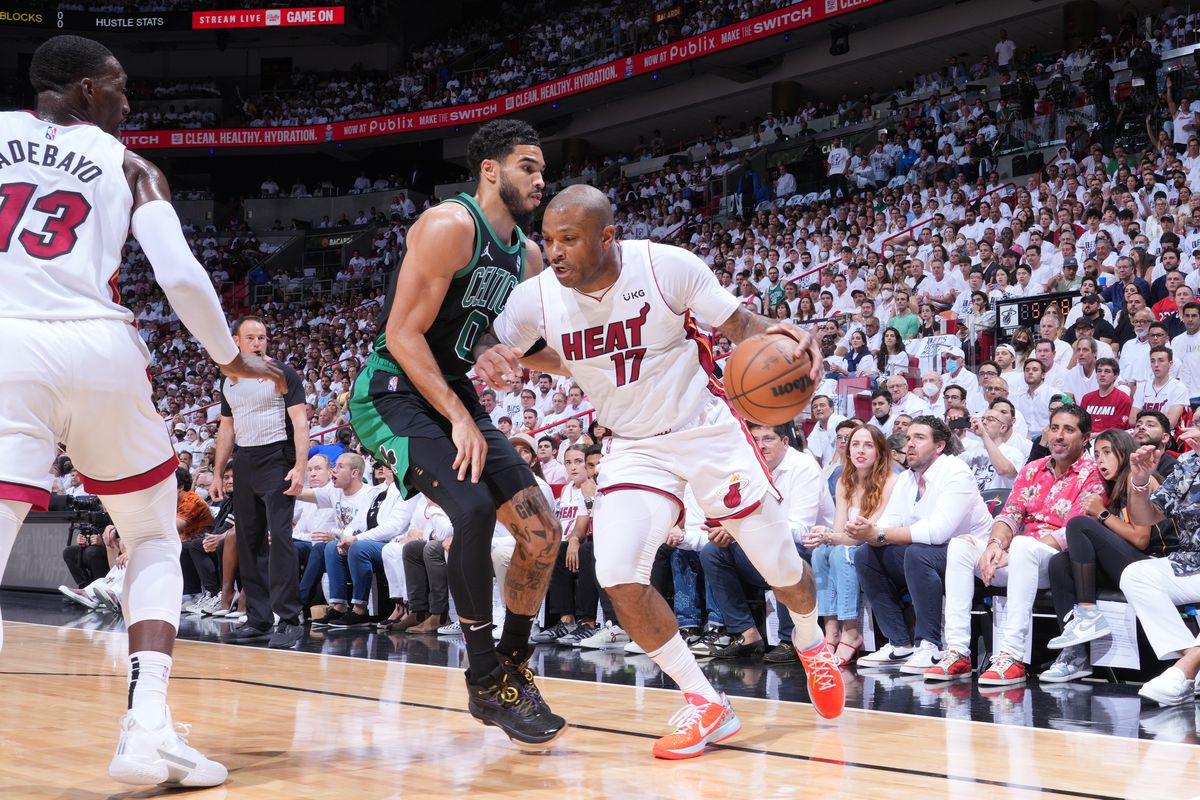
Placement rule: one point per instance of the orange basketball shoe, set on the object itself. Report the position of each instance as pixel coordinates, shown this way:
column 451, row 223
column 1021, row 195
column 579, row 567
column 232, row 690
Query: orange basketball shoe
column 696, row 725
column 825, row 687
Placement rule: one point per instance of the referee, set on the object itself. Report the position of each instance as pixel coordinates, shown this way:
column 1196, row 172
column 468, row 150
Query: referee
column 267, row 434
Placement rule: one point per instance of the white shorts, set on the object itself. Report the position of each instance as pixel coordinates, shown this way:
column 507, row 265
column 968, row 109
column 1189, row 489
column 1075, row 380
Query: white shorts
column 82, row 383
column 714, row 453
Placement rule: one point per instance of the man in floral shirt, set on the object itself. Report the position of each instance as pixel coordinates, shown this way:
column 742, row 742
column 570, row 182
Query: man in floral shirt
column 1030, row 529
column 1158, row 585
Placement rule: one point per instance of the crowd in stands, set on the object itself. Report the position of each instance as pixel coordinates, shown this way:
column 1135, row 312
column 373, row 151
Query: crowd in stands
column 1056, row 455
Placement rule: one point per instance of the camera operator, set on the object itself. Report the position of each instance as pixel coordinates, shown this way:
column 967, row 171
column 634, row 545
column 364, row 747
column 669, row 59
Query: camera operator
column 87, row 558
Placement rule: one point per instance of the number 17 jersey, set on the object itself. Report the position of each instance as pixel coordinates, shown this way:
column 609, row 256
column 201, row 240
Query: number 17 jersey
column 635, row 348
column 65, row 206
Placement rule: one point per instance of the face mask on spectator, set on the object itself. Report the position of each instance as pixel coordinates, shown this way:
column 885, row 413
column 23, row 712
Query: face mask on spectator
column 951, row 365
column 930, row 388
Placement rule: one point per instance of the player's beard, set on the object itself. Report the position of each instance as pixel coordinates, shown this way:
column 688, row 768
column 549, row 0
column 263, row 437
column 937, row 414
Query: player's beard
column 510, row 195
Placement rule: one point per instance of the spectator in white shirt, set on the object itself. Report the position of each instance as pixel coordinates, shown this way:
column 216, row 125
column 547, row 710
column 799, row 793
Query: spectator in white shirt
column 934, row 500
column 1163, row 393
column 989, row 453
column 822, row 439
column 1034, row 402
column 904, row 401
column 1081, row 378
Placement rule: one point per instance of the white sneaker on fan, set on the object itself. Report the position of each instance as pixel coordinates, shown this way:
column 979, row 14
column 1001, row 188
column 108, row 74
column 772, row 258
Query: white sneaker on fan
column 609, row 636
column 161, row 756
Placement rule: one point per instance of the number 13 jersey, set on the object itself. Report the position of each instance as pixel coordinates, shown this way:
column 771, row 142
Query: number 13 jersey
column 635, row 348
column 65, row 206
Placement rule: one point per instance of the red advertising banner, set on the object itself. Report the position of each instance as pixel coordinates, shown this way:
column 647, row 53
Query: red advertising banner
column 794, row 16
column 268, row 17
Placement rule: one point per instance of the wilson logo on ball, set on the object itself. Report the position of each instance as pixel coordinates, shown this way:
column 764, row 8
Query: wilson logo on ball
column 801, row 383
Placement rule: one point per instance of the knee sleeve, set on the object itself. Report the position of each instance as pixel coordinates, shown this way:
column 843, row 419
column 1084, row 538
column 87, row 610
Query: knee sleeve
column 153, row 580
column 766, row 538
column 629, row 526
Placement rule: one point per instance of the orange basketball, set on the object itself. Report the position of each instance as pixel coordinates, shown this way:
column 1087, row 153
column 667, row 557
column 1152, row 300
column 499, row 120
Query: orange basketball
column 764, row 380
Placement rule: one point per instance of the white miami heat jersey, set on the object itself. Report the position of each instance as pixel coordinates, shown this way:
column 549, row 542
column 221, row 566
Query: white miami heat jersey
column 64, row 217
column 633, row 348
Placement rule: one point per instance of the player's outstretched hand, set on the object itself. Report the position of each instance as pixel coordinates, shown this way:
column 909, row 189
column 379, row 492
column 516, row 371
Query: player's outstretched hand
column 248, row 365
column 806, row 344
column 497, row 364
column 472, row 449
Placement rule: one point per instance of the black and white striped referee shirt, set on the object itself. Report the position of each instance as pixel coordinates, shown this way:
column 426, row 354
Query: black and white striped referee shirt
column 259, row 412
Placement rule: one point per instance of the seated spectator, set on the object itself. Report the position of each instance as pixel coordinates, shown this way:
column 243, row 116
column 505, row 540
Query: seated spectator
column 574, row 593
column 934, row 500
column 726, row 567
column 1108, row 406
column 87, row 560
column 833, row 471
column 350, row 499
column 425, row 575
column 904, row 401
column 208, row 556
column 360, row 550
column 990, row 454
column 1155, row 586
column 1162, row 393
column 312, row 529
column 863, row 490
column 503, row 543
column 1100, row 545
column 553, row 471
column 1024, row 537
column 696, row 619
column 882, row 416
column 192, row 517
column 1153, row 428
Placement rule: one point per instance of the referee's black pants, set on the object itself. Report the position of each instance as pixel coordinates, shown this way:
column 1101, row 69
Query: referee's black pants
column 259, row 506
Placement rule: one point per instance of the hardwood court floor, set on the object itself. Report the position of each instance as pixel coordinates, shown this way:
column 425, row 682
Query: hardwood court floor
column 300, row 725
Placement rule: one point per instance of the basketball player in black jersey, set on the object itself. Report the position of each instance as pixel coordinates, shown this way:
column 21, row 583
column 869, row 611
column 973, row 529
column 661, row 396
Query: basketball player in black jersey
column 415, row 409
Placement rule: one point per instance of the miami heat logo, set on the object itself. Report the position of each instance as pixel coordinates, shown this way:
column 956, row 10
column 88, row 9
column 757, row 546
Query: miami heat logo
column 733, row 493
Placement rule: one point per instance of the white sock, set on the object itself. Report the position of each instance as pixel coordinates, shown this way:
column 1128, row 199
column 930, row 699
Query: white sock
column 11, row 515
column 808, row 633
column 149, row 671
column 677, row 661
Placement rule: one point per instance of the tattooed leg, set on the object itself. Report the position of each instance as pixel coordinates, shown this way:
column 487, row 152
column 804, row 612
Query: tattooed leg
column 535, row 527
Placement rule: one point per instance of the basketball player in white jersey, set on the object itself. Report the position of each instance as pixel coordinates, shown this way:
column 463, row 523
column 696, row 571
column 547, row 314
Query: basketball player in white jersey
column 74, row 368
column 619, row 317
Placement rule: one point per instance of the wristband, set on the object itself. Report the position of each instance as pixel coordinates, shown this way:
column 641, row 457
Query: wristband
column 996, row 542
column 1143, row 489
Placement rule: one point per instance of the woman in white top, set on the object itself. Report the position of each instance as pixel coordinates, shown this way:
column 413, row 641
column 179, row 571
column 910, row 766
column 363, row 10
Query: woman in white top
column 863, row 491
column 892, row 358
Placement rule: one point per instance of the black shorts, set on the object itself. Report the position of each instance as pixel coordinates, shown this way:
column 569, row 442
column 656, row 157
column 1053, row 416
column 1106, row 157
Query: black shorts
column 401, row 429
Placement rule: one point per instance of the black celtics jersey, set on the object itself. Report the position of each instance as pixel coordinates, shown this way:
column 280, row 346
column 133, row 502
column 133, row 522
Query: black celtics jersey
column 474, row 299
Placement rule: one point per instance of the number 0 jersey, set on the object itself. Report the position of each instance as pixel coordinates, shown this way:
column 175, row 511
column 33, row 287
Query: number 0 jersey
column 64, row 216
column 475, row 296
column 635, row 348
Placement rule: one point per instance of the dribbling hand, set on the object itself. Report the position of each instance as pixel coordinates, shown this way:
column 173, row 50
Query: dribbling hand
column 806, row 345
column 497, row 364
column 471, row 447
column 250, row 366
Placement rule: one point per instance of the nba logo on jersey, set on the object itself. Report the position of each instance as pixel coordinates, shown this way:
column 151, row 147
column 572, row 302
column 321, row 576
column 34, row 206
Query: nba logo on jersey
column 51, row 132
column 393, row 382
